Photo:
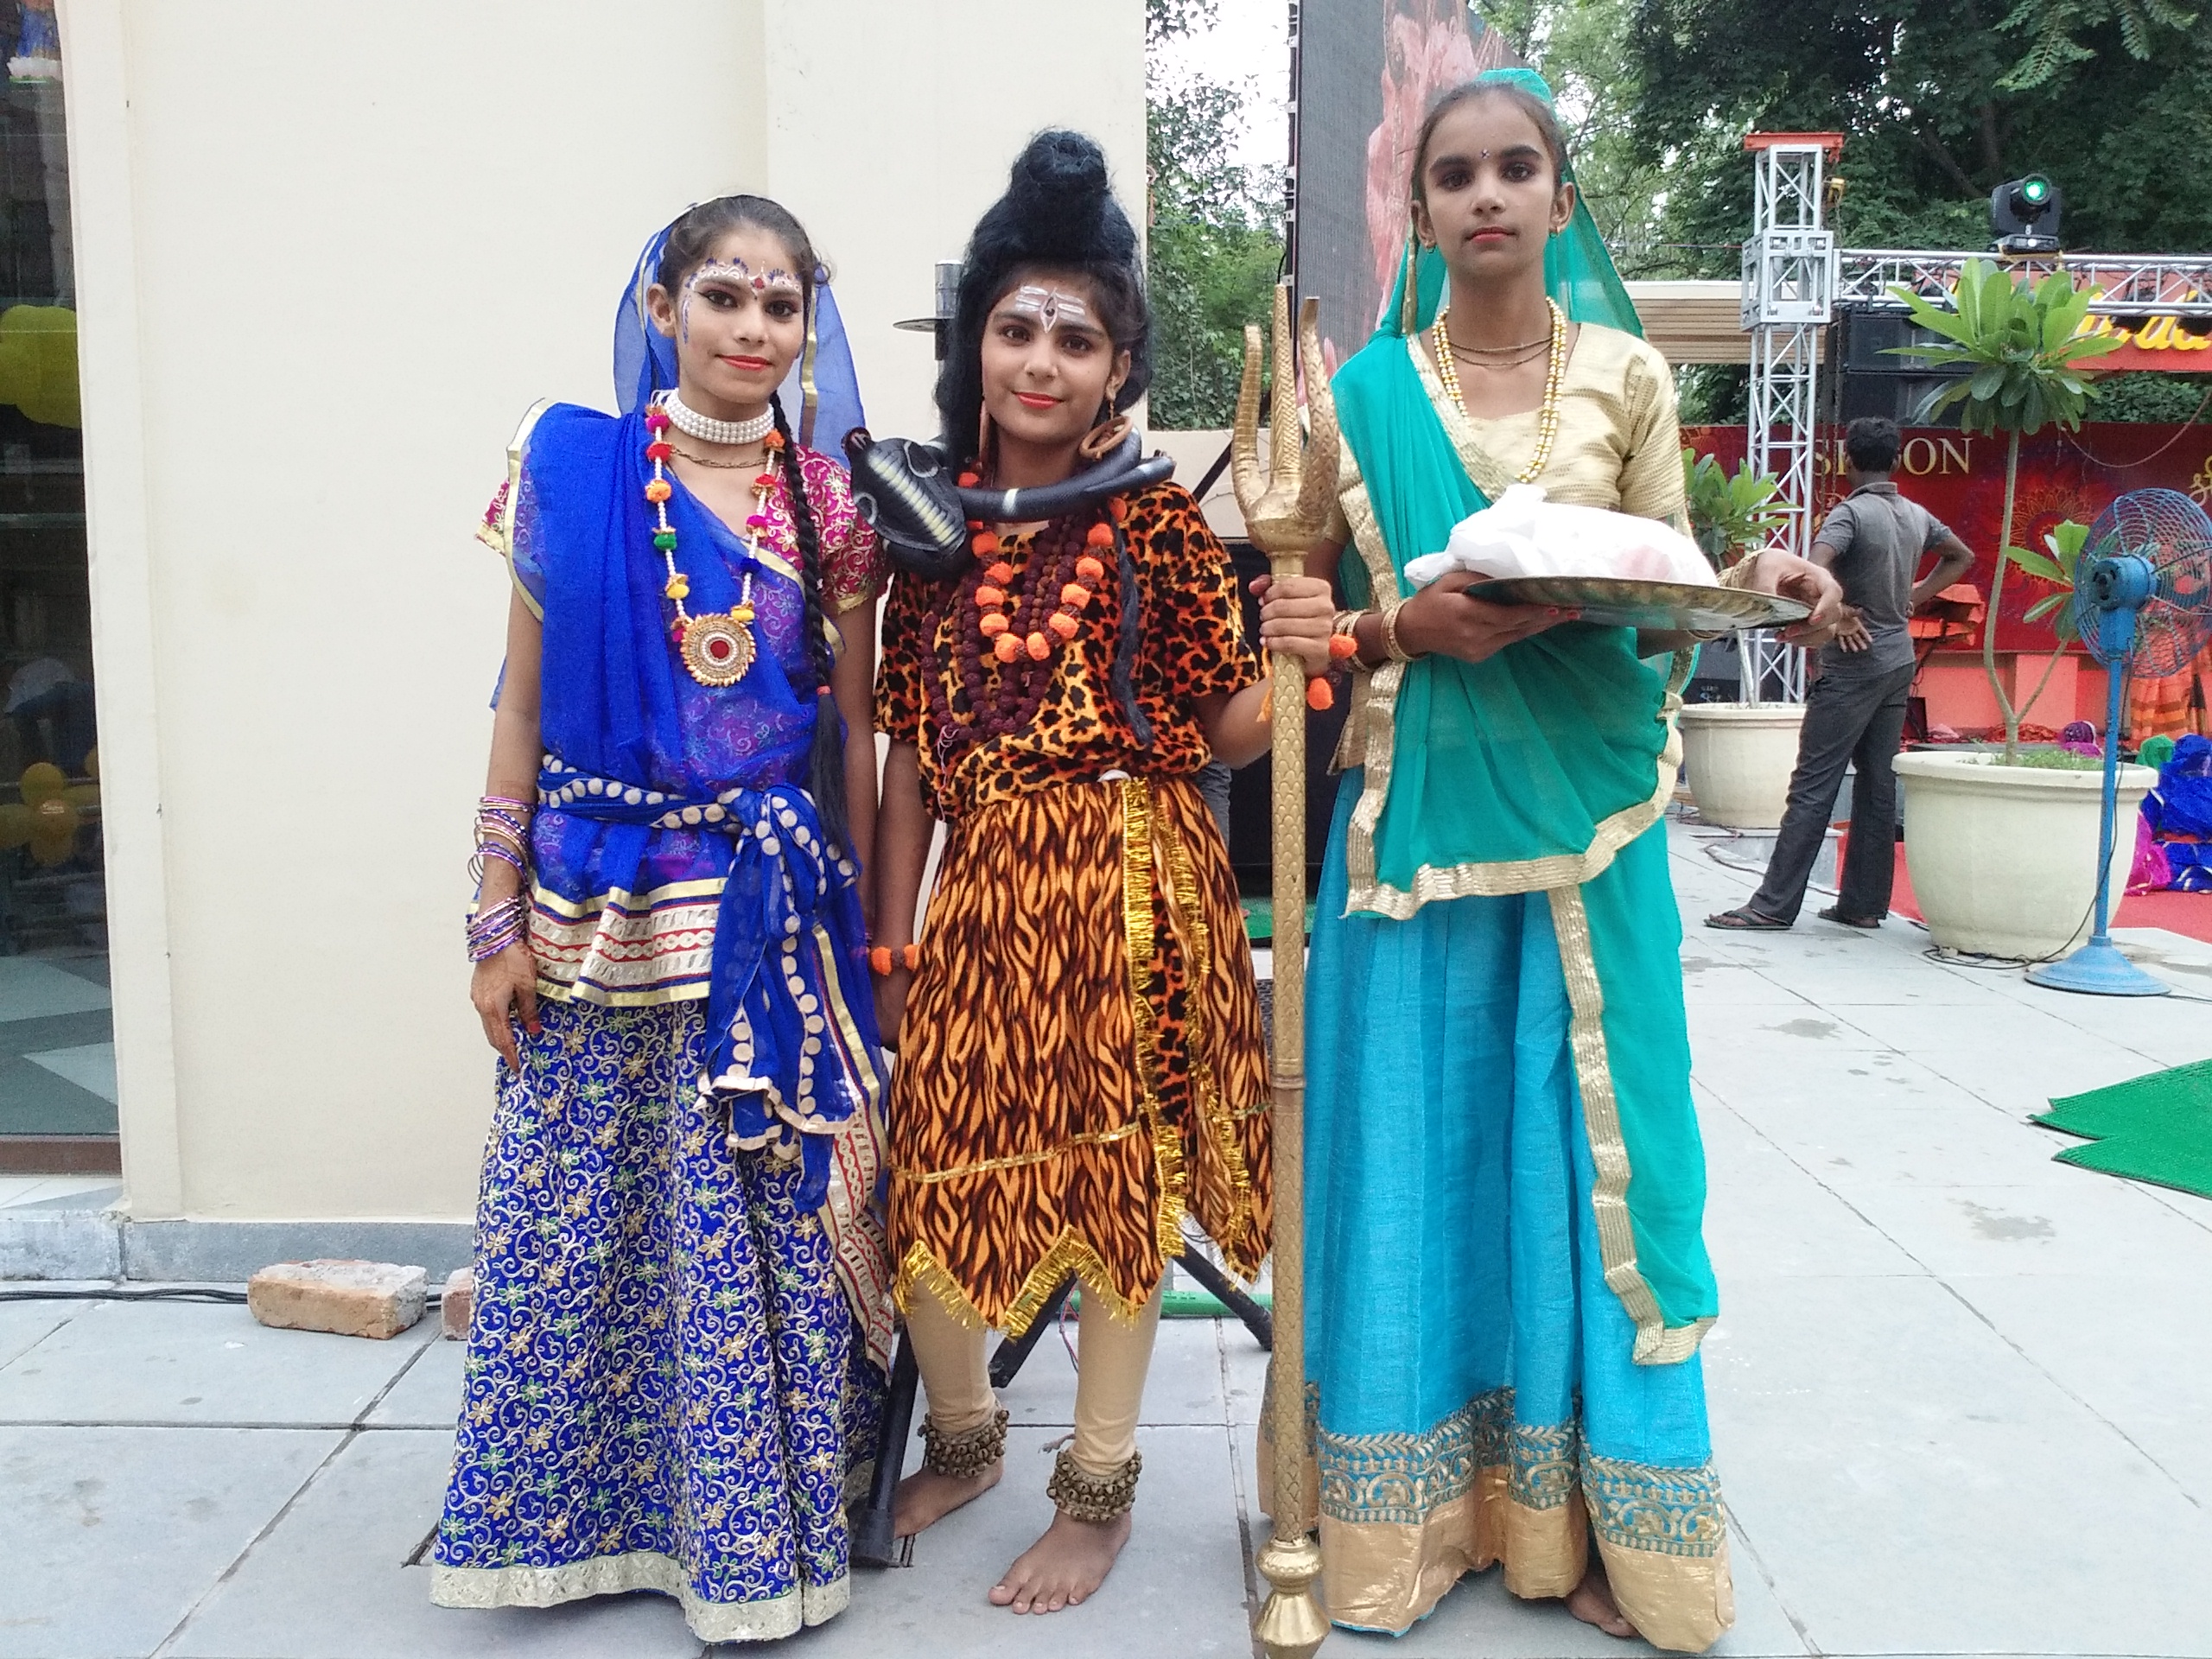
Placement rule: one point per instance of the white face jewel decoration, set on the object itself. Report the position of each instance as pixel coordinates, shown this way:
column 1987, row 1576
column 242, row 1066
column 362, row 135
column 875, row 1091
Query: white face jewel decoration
column 1051, row 306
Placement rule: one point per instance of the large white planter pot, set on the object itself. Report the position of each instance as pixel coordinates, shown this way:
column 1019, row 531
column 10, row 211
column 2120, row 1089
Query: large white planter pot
column 2003, row 859
column 1738, row 757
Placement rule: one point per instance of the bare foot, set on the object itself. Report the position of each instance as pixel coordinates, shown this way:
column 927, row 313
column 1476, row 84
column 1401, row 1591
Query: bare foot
column 1064, row 1566
column 1593, row 1602
column 925, row 1498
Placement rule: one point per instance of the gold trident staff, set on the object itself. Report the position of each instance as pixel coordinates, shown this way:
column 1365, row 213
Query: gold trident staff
column 1286, row 511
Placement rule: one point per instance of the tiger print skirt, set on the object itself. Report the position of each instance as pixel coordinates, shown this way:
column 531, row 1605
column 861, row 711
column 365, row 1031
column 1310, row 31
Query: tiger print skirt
column 1081, row 1064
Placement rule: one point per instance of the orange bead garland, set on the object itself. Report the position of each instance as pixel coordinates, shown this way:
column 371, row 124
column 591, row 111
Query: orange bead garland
column 995, row 594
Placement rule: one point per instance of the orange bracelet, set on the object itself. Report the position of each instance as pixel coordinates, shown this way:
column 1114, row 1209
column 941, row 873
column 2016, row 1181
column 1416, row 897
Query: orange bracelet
column 882, row 959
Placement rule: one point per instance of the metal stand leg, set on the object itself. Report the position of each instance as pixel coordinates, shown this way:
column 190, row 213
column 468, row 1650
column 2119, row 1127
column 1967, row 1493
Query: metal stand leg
column 1257, row 1319
column 1005, row 1362
column 875, row 1543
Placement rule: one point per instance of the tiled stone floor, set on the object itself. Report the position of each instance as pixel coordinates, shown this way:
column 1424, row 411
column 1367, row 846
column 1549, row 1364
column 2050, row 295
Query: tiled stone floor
column 1961, row 1394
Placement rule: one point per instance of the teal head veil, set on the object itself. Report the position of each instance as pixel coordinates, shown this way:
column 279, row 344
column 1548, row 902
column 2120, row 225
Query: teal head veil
column 1578, row 271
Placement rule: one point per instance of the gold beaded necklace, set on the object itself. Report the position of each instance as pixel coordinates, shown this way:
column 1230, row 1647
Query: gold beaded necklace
column 1555, row 372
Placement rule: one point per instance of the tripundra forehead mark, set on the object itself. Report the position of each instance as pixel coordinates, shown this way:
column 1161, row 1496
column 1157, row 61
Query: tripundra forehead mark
column 1050, row 306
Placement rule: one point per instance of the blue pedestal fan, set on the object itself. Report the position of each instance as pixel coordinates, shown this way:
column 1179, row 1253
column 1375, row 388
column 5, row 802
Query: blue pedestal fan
column 2143, row 605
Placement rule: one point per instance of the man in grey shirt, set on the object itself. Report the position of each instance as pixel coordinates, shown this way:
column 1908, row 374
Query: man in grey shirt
column 1874, row 541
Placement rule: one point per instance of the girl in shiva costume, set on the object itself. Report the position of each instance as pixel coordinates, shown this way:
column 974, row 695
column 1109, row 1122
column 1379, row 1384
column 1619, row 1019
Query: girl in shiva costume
column 683, row 1313
column 1504, row 1183
column 1080, row 1066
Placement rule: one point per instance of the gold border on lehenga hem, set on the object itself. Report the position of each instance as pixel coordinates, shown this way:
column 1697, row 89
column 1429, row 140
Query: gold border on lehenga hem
column 1404, row 1514
column 766, row 1620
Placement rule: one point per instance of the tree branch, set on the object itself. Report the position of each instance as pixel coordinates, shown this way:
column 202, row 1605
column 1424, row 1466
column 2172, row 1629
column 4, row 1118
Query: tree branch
column 1938, row 153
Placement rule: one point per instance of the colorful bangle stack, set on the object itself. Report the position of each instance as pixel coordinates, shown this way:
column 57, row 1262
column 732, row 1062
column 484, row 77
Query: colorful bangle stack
column 503, row 833
column 494, row 928
column 882, row 960
column 502, row 836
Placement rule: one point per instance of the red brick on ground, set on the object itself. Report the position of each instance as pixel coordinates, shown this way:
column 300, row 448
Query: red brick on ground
column 454, row 1303
column 349, row 1298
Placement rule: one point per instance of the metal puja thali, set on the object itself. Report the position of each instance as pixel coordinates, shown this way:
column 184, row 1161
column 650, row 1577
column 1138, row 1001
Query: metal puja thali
column 1662, row 607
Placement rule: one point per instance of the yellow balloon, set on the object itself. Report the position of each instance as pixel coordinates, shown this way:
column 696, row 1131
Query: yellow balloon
column 38, row 363
column 43, row 781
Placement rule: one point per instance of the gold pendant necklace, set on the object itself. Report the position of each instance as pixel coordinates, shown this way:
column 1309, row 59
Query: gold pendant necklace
column 1546, row 414
column 715, row 649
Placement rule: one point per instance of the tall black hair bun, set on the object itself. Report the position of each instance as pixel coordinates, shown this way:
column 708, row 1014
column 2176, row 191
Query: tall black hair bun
column 1060, row 198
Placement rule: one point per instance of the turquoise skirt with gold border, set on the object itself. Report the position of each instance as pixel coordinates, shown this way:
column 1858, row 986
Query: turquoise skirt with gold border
column 1482, row 1396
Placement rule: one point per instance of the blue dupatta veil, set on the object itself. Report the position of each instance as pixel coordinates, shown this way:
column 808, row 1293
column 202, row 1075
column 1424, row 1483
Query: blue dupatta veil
column 657, row 789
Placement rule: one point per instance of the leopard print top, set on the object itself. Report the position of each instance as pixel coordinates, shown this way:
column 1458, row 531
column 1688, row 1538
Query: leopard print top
column 1191, row 646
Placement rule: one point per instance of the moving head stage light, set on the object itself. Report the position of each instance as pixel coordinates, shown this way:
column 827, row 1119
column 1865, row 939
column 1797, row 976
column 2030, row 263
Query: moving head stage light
column 2024, row 215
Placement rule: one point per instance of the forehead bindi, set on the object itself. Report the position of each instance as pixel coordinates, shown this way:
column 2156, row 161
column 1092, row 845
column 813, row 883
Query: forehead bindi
column 1486, row 128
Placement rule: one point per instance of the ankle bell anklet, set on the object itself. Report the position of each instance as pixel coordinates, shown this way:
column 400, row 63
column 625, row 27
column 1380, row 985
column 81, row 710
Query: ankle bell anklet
column 964, row 1457
column 1082, row 1495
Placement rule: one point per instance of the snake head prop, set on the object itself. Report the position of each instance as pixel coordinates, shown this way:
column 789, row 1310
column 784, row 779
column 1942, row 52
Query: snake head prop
column 905, row 491
column 1286, row 507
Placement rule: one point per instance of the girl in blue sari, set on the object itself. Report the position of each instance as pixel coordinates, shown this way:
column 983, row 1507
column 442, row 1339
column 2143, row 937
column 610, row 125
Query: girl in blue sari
column 682, row 1303
column 1504, row 1184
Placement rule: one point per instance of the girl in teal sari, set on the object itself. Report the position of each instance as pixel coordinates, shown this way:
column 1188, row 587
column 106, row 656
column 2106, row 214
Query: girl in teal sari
column 1504, row 1183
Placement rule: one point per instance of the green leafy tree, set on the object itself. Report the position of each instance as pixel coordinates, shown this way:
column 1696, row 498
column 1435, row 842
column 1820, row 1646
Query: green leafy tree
column 1585, row 49
column 1940, row 101
column 2023, row 347
column 1215, row 238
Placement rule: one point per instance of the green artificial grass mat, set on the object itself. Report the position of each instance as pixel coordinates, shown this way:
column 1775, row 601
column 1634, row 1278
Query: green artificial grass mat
column 1259, row 920
column 2156, row 1128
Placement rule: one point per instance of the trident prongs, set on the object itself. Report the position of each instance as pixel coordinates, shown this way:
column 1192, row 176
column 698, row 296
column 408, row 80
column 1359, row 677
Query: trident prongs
column 1287, row 509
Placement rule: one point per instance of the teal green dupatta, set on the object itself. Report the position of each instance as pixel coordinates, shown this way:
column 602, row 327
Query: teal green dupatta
column 1529, row 772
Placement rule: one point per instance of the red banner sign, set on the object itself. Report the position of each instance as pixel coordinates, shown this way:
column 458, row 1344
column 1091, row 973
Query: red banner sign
column 1962, row 481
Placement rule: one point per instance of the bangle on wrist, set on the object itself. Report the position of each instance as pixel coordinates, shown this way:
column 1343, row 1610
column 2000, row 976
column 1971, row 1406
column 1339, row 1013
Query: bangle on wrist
column 494, row 928
column 1391, row 649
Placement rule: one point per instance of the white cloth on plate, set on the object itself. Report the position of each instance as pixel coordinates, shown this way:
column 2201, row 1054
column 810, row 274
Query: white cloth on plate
column 1521, row 534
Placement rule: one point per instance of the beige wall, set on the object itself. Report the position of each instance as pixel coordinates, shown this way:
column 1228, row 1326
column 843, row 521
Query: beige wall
column 327, row 255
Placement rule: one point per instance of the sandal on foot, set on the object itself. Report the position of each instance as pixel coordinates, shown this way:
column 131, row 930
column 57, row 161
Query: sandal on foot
column 1745, row 919
column 1834, row 913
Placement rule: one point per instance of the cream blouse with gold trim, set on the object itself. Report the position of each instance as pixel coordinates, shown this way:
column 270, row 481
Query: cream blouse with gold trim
column 1618, row 447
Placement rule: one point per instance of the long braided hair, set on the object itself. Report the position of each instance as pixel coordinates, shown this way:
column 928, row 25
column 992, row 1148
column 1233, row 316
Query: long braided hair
column 690, row 240
column 827, row 767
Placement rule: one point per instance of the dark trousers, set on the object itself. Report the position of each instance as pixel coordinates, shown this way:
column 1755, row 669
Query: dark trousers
column 1850, row 720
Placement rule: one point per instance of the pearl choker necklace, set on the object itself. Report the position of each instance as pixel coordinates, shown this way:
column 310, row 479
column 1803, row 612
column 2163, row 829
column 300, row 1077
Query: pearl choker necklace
column 707, row 430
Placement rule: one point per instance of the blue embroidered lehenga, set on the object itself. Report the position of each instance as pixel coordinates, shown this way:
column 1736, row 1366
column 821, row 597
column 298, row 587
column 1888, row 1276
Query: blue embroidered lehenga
column 682, row 1315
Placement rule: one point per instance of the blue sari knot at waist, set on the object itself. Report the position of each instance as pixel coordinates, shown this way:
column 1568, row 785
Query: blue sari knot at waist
column 790, row 1052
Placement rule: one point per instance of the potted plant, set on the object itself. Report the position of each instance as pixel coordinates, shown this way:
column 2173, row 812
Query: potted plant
column 2002, row 848
column 1738, row 756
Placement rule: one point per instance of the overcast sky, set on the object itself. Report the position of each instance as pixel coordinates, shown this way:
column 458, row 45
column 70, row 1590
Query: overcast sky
column 1251, row 46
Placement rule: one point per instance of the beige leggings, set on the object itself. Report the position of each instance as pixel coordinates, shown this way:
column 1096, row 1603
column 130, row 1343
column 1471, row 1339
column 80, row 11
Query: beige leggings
column 1110, row 1383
